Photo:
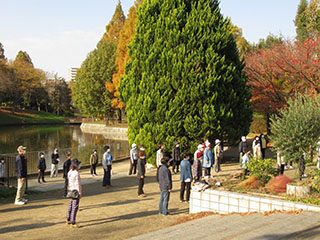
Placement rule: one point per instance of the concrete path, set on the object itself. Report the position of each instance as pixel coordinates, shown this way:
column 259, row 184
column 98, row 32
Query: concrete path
column 278, row 226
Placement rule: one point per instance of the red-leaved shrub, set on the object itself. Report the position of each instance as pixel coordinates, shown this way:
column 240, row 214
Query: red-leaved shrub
column 278, row 184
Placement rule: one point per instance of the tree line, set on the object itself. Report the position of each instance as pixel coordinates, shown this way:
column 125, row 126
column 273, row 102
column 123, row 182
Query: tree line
column 22, row 86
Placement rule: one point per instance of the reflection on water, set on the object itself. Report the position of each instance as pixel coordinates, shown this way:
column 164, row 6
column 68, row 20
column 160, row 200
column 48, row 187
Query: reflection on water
column 66, row 137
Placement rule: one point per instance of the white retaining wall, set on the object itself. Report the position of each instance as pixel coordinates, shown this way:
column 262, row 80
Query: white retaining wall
column 115, row 133
column 229, row 202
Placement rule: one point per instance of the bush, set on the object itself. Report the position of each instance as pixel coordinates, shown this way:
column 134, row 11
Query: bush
column 278, row 184
column 315, row 180
column 252, row 182
column 262, row 168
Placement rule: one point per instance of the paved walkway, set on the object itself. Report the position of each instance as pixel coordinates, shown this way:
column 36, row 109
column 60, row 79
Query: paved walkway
column 278, row 226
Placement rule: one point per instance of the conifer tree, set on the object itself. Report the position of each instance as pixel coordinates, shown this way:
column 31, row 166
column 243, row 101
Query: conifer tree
column 115, row 25
column 184, row 79
column 89, row 93
column 127, row 32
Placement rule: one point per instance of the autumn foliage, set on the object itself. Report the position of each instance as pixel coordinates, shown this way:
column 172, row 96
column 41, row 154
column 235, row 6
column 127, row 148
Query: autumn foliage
column 279, row 72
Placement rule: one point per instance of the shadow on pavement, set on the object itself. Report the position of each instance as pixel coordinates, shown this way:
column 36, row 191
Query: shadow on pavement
column 26, row 207
column 95, row 222
column 25, row 227
column 309, row 233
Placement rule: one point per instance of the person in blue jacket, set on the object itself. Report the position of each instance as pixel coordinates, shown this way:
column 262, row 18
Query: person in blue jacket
column 107, row 167
column 207, row 160
column 185, row 177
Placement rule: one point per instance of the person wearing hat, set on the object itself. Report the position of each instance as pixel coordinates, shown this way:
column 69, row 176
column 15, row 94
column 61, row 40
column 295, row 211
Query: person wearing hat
column 133, row 159
column 73, row 184
column 243, row 148
column 176, row 157
column 207, row 160
column 41, row 167
column 66, row 168
column 21, row 171
column 217, row 156
column 197, row 164
column 93, row 163
column 54, row 162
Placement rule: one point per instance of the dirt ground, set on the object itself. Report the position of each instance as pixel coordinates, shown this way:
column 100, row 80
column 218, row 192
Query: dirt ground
column 115, row 213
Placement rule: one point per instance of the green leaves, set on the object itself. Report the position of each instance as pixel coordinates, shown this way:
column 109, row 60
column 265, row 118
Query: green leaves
column 184, row 78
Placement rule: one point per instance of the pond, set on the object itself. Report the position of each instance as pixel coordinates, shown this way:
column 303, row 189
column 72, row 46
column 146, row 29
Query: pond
column 64, row 137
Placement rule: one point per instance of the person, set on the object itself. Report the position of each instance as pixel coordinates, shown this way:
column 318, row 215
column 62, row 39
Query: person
column 165, row 184
column 133, row 159
column 66, row 168
column 263, row 142
column 217, row 155
column 245, row 161
column 160, row 155
column 54, row 162
column 74, row 183
column 141, row 170
column 197, row 164
column 21, row 172
column 243, row 147
column 207, row 161
column 107, row 167
column 281, row 163
column 185, row 178
column 41, row 167
column 256, row 148
column 93, row 163
column 176, row 157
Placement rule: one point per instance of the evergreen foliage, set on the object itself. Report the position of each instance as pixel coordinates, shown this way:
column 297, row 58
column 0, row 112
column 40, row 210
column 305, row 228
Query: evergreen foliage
column 89, row 93
column 301, row 21
column 184, row 79
column 297, row 128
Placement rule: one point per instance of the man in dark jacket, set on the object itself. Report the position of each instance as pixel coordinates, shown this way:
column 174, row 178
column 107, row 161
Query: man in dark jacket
column 41, row 167
column 243, row 148
column 21, row 171
column 165, row 183
column 54, row 162
column 141, row 170
column 176, row 157
column 66, row 168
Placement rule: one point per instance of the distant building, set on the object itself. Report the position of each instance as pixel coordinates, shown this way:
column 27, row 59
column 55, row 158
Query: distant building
column 72, row 74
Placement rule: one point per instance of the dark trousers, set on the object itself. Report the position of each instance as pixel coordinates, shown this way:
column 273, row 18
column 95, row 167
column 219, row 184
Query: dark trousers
column 281, row 169
column 141, row 184
column 207, row 171
column 107, row 176
column 263, row 153
column 72, row 210
column 164, row 202
column 93, row 168
column 65, row 187
column 41, row 175
column 133, row 166
column 185, row 186
column 175, row 165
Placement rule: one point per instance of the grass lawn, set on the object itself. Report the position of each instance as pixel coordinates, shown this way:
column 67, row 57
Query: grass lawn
column 28, row 117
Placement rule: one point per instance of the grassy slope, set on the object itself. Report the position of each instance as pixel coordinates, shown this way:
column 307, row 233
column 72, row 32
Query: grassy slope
column 27, row 117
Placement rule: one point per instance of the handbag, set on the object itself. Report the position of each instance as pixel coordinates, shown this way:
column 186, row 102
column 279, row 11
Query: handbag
column 74, row 194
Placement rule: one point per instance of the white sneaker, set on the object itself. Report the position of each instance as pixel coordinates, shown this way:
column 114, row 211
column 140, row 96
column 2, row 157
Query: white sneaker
column 206, row 177
column 91, row 175
column 291, row 167
column 24, row 200
column 285, row 167
column 19, row 203
column 304, row 175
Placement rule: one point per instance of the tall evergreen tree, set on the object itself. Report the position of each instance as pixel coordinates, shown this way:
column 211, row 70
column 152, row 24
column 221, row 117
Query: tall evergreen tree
column 301, row 21
column 115, row 25
column 184, row 79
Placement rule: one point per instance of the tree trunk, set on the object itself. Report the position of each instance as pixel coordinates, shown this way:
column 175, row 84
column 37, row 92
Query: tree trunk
column 301, row 167
column 120, row 116
column 268, row 123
